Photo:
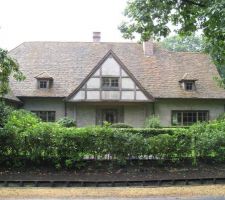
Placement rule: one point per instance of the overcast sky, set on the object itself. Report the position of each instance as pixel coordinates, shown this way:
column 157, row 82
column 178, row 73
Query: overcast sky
column 59, row 20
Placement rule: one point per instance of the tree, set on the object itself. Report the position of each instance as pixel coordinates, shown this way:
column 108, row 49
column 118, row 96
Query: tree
column 189, row 43
column 8, row 67
column 153, row 18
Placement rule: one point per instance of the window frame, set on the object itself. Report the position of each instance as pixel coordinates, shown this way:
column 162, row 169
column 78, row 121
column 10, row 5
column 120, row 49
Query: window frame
column 110, row 82
column 187, row 84
column 38, row 113
column 115, row 113
column 42, row 81
column 207, row 116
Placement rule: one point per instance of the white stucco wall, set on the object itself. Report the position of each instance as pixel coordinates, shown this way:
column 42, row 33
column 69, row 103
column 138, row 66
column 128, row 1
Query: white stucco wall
column 135, row 115
column 86, row 115
column 163, row 108
column 45, row 104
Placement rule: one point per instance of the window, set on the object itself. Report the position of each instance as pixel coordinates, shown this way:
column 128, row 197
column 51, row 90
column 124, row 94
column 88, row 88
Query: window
column 189, row 86
column 46, row 116
column 110, row 116
column 110, row 82
column 186, row 118
column 43, row 84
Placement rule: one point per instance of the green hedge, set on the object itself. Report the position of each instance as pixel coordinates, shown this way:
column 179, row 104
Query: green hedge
column 24, row 137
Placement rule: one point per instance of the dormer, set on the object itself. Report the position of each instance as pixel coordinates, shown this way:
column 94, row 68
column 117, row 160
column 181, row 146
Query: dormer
column 188, row 82
column 44, row 80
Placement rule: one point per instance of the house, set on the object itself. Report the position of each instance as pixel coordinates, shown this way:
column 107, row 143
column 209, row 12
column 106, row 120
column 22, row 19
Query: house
column 93, row 82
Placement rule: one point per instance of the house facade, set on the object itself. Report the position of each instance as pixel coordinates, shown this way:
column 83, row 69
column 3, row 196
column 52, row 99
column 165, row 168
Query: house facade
column 93, row 82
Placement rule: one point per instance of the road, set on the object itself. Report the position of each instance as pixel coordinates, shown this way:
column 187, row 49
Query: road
column 111, row 198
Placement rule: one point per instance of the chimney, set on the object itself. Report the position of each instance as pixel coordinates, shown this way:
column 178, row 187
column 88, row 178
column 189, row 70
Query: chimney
column 148, row 48
column 96, row 36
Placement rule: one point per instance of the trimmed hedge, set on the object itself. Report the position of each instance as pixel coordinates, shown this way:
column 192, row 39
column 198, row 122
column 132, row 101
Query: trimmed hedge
column 25, row 138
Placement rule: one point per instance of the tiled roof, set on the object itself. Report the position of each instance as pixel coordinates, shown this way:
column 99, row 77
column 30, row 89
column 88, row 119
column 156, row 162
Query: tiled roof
column 70, row 62
column 11, row 97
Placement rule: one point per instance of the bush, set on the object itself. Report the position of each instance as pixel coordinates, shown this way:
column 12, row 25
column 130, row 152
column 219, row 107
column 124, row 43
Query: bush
column 24, row 137
column 152, row 122
column 67, row 122
column 4, row 112
column 120, row 125
column 21, row 121
column 209, row 140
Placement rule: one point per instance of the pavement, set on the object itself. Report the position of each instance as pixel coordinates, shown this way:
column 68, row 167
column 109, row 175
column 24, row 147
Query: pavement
column 116, row 198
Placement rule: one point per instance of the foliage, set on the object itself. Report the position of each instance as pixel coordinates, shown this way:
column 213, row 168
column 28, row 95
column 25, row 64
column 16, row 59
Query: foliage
column 120, row 125
column 21, row 120
column 209, row 140
column 24, row 139
column 153, row 18
column 8, row 67
column 184, row 44
column 221, row 117
column 67, row 122
column 152, row 122
column 4, row 113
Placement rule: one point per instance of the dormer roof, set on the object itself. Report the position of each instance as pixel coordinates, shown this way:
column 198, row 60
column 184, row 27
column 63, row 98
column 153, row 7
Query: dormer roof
column 188, row 77
column 44, row 75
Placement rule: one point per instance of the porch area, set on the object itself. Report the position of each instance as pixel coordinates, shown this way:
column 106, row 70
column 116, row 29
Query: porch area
column 91, row 114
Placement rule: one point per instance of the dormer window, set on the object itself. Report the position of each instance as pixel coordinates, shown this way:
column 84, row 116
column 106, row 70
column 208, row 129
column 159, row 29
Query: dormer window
column 43, row 84
column 188, row 82
column 189, row 86
column 44, row 80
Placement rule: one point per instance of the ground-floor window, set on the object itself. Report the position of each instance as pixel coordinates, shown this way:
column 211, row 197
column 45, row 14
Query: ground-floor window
column 186, row 118
column 46, row 116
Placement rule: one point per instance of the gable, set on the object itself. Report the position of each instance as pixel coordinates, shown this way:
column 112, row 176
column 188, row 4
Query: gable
column 110, row 80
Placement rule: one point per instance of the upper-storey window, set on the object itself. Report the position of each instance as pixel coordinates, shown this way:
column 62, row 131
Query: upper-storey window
column 43, row 84
column 188, row 82
column 110, row 82
column 44, row 80
column 189, row 85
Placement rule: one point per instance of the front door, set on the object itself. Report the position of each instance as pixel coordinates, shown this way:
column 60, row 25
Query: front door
column 110, row 115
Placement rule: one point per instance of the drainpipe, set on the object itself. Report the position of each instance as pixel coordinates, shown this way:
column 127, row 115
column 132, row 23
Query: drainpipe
column 65, row 108
column 153, row 108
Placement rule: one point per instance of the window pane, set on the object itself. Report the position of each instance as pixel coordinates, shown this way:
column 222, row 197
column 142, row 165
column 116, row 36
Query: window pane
column 114, row 82
column 46, row 116
column 43, row 84
column 187, row 118
column 108, row 82
column 51, row 116
column 189, row 86
column 43, row 115
column 105, row 82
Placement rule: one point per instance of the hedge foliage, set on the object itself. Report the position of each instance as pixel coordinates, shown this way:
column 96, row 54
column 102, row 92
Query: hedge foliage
column 24, row 137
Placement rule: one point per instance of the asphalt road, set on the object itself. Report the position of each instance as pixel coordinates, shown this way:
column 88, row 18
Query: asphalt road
column 111, row 198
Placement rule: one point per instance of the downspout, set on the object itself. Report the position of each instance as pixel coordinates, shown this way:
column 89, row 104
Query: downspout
column 153, row 108
column 65, row 108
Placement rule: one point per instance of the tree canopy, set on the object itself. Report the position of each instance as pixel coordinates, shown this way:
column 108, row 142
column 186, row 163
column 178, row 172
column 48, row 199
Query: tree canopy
column 188, row 43
column 8, row 67
column 153, row 19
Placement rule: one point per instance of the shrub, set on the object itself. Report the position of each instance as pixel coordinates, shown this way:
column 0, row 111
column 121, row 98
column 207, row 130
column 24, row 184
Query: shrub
column 120, row 125
column 21, row 121
column 24, row 136
column 4, row 113
column 67, row 122
column 209, row 140
column 152, row 122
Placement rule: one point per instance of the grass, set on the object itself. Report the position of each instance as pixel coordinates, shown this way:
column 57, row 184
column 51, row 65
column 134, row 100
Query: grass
column 184, row 191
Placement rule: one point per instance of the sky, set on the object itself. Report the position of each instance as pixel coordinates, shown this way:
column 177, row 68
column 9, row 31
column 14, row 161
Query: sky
column 59, row 20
